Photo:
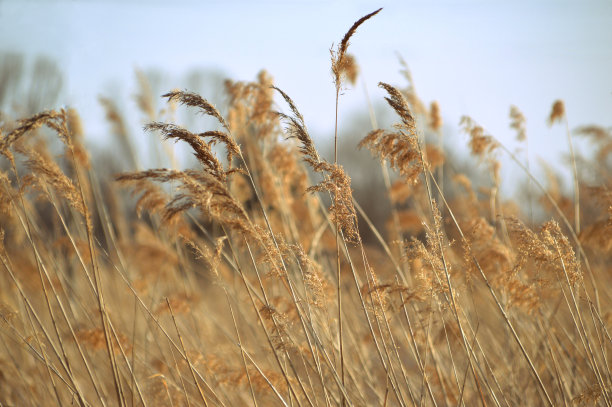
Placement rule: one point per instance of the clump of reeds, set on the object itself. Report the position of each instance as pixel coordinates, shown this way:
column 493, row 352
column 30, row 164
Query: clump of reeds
column 245, row 279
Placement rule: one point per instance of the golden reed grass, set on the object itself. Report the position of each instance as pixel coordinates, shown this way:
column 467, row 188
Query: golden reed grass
column 245, row 280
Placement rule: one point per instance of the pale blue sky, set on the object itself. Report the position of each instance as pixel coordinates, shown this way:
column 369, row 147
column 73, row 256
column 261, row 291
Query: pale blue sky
column 474, row 57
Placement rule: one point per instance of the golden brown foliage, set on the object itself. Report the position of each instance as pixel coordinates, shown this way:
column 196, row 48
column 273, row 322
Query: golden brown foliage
column 342, row 63
column 228, row 284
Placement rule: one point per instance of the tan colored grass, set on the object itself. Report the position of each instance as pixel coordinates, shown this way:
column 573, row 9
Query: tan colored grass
column 234, row 283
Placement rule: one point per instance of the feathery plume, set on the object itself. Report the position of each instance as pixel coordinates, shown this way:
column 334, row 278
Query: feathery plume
column 342, row 210
column 200, row 190
column 518, row 123
column 75, row 128
column 49, row 118
column 144, row 97
column 400, row 149
column 435, row 118
column 339, row 56
column 557, row 112
column 296, row 128
column 49, row 172
column 201, row 150
column 480, row 143
column 397, row 101
column 195, row 100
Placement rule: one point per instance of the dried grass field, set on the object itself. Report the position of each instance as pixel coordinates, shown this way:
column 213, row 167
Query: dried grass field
column 246, row 279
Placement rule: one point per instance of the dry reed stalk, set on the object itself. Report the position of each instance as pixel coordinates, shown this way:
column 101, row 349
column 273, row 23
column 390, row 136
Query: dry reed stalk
column 545, row 395
column 191, row 369
column 120, row 131
column 519, row 124
column 561, row 214
column 557, row 114
column 339, row 65
column 59, row 124
column 399, row 104
column 297, row 128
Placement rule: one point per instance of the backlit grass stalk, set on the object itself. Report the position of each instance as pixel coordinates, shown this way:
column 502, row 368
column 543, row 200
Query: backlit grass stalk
column 558, row 114
column 339, row 63
column 545, row 394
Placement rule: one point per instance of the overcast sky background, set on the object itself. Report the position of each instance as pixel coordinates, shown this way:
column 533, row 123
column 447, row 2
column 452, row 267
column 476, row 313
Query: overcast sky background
column 474, row 57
